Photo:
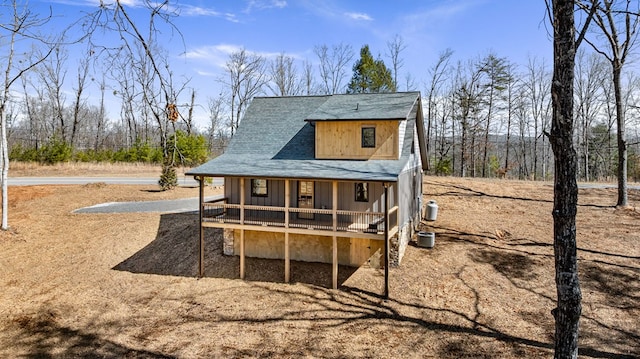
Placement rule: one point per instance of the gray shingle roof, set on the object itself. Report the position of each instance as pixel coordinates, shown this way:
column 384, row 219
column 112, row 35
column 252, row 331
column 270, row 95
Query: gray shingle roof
column 276, row 138
column 374, row 106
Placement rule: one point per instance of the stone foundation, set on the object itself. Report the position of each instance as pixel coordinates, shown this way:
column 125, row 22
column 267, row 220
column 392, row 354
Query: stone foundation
column 227, row 242
column 398, row 244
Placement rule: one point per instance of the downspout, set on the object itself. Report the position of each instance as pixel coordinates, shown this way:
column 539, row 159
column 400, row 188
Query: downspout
column 201, row 216
column 386, row 240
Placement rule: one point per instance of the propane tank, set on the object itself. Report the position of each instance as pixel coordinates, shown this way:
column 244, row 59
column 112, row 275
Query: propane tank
column 432, row 211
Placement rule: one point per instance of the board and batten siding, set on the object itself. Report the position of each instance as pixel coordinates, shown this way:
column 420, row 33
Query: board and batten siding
column 322, row 195
column 275, row 192
column 347, row 197
column 342, row 140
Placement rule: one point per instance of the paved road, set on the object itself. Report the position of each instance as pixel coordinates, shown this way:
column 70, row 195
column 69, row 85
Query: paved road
column 605, row 185
column 186, row 181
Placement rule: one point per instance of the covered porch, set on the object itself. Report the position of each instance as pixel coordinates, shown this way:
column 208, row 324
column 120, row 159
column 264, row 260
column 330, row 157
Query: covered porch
column 284, row 213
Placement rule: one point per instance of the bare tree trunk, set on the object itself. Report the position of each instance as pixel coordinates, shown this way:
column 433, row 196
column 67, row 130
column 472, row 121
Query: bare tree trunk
column 623, row 199
column 22, row 21
column 437, row 73
column 189, row 120
column 619, row 24
column 83, row 71
column 569, row 297
column 4, row 160
column 100, row 124
column 395, row 47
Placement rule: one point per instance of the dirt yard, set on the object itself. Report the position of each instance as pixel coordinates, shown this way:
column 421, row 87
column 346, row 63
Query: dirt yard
column 123, row 285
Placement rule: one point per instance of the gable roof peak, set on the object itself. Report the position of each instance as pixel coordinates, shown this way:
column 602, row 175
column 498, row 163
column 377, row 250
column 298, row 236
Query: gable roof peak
column 370, row 106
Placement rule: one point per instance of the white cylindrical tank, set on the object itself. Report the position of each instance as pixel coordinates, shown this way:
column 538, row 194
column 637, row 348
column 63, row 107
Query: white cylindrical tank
column 432, row 211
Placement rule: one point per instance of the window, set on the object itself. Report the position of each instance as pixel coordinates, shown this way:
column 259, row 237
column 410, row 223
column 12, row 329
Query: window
column 362, row 192
column 368, row 137
column 259, row 187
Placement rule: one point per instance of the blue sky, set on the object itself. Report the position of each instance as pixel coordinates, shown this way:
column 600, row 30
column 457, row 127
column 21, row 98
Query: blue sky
column 515, row 29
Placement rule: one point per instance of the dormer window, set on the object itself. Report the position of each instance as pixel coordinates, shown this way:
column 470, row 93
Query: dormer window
column 368, row 137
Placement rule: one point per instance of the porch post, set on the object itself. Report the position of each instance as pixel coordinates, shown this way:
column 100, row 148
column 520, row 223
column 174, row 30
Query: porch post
column 287, row 259
column 334, row 216
column 201, row 216
column 386, row 240
column 242, row 199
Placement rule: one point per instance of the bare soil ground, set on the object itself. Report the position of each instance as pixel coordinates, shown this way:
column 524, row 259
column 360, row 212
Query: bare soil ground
column 31, row 169
column 123, row 285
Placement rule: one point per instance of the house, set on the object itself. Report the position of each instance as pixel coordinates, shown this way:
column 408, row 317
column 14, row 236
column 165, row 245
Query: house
column 334, row 179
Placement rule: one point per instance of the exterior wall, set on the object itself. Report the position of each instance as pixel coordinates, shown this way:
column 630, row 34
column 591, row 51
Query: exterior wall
column 402, row 129
column 323, row 196
column 410, row 204
column 275, row 192
column 342, row 140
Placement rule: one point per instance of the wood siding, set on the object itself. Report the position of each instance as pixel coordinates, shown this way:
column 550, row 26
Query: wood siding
column 342, row 140
column 322, row 198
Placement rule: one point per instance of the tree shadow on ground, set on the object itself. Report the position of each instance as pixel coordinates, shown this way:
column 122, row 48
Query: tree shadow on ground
column 509, row 264
column 458, row 190
column 175, row 252
column 616, row 282
column 46, row 338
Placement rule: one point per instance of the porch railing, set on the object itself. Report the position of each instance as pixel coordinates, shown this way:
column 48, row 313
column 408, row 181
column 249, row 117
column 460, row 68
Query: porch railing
column 309, row 218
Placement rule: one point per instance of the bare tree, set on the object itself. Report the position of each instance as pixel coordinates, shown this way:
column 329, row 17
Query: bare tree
column 83, row 72
column 188, row 121
column 618, row 21
column 410, row 83
column 215, row 129
column 522, row 117
column 308, row 83
column 143, row 51
column 468, row 99
column 285, row 80
column 589, row 73
column 20, row 24
column 333, row 65
column 246, row 75
column 437, row 72
column 538, row 86
column 101, row 120
column 395, row 47
column 496, row 82
column 129, row 95
column 52, row 74
column 512, row 91
column 569, row 297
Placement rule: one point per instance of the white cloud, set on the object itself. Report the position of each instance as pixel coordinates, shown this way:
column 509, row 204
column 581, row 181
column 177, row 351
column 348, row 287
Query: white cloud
column 190, row 10
column 265, row 4
column 214, row 55
column 358, row 16
column 218, row 55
